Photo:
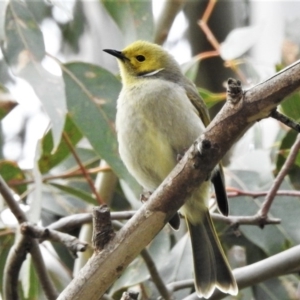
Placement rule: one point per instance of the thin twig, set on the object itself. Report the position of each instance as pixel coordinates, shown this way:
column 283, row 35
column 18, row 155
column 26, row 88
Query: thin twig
column 155, row 276
column 255, row 220
column 203, row 23
column 33, row 247
column 14, row 261
column 234, row 192
column 166, row 19
column 285, row 120
column 42, row 274
column 38, row 232
column 210, row 36
column 68, row 223
column 69, row 174
column 279, row 264
column 84, row 172
column 11, row 202
column 180, row 285
column 208, row 11
column 279, row 178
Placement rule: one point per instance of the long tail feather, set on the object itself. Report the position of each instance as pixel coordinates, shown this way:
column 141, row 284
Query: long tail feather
column 210, row 264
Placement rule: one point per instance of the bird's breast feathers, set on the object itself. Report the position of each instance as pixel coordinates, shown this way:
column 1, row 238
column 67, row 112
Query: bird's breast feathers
column 157, row 121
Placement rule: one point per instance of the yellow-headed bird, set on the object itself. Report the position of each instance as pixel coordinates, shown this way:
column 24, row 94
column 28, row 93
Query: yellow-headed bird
column 159, row 116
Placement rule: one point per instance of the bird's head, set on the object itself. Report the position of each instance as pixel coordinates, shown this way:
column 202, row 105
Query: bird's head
column 143, row 59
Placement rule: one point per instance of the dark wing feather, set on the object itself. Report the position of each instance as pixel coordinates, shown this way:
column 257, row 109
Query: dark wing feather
column 218, row 176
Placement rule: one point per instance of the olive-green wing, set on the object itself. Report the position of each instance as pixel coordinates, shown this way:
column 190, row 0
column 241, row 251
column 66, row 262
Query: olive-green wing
column 218, row 175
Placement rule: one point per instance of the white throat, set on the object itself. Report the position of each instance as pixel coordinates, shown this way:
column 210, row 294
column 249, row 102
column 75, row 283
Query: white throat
column 152, row 73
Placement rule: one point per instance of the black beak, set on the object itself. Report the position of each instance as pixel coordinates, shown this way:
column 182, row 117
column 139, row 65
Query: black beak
column 117, row 54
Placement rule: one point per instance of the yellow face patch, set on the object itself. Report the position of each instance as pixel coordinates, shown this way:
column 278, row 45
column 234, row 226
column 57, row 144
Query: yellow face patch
column 143, row 57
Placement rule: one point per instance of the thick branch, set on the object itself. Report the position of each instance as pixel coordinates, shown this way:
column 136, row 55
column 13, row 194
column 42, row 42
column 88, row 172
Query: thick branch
column 257, row 103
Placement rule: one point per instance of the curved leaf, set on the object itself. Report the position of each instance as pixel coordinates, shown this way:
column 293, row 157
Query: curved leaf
column 291, row 106
column 24, row 40
column 48, row 160
column 79, row 193
column 210, row 98
column 91, row 98
column 134, row 18
column 24, row 50
column 239, row 41
column 6, row 102
column 11, row 173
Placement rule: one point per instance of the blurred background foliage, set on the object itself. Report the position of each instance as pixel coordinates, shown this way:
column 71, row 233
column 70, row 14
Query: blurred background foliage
column 58, row 94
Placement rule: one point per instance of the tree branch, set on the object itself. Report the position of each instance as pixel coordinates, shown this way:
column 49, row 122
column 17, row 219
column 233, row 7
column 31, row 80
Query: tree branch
column 234, row 192
column 14, row 263
column 15, row 259
column 38, row 232
column 82, row 168
column 280, row 264
column 166, row 19
column 257, row 103
column 279, row 178
column 285, row 120
column 159, row 283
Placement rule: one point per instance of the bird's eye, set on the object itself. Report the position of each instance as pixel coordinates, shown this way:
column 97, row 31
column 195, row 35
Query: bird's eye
column 140, row 58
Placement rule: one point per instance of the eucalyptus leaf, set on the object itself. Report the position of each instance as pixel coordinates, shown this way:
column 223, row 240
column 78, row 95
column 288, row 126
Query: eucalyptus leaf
column 239, row 41
column 91, row 98
column 137, row 271
column 291, row 106
column 12, row 173
column 276, row 289
column 210, row 98
column 79, row 193
column 24, row 50
column 23, row 38
column 6, row 242
column 134, row 18
column 7, row 104
column 48, row 159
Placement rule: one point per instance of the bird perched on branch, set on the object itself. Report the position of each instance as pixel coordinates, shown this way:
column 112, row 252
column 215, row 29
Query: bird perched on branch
column 159, row 115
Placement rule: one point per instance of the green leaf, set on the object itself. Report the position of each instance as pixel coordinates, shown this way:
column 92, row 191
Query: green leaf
column 284, row 150
column 24, row 40
column 24, row 50
column 6, row 242
column 276, row 289
column 210, row 98
column 7, row 104
column 79, row 193
column 190, row 69
column 179, row 264
column 50, row 90
column 48, row 160
column 134, row 18
column 291, row 106
column 30, row 288
column 271, row 239
column 57, row 202
column 137, row 271
column 11, row 172
column 91, row 98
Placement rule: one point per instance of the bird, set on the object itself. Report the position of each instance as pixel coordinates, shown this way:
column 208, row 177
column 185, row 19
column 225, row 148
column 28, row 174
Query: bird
column 159, row 115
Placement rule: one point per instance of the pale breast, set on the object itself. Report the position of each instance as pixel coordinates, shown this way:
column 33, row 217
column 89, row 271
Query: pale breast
column 155, row 122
